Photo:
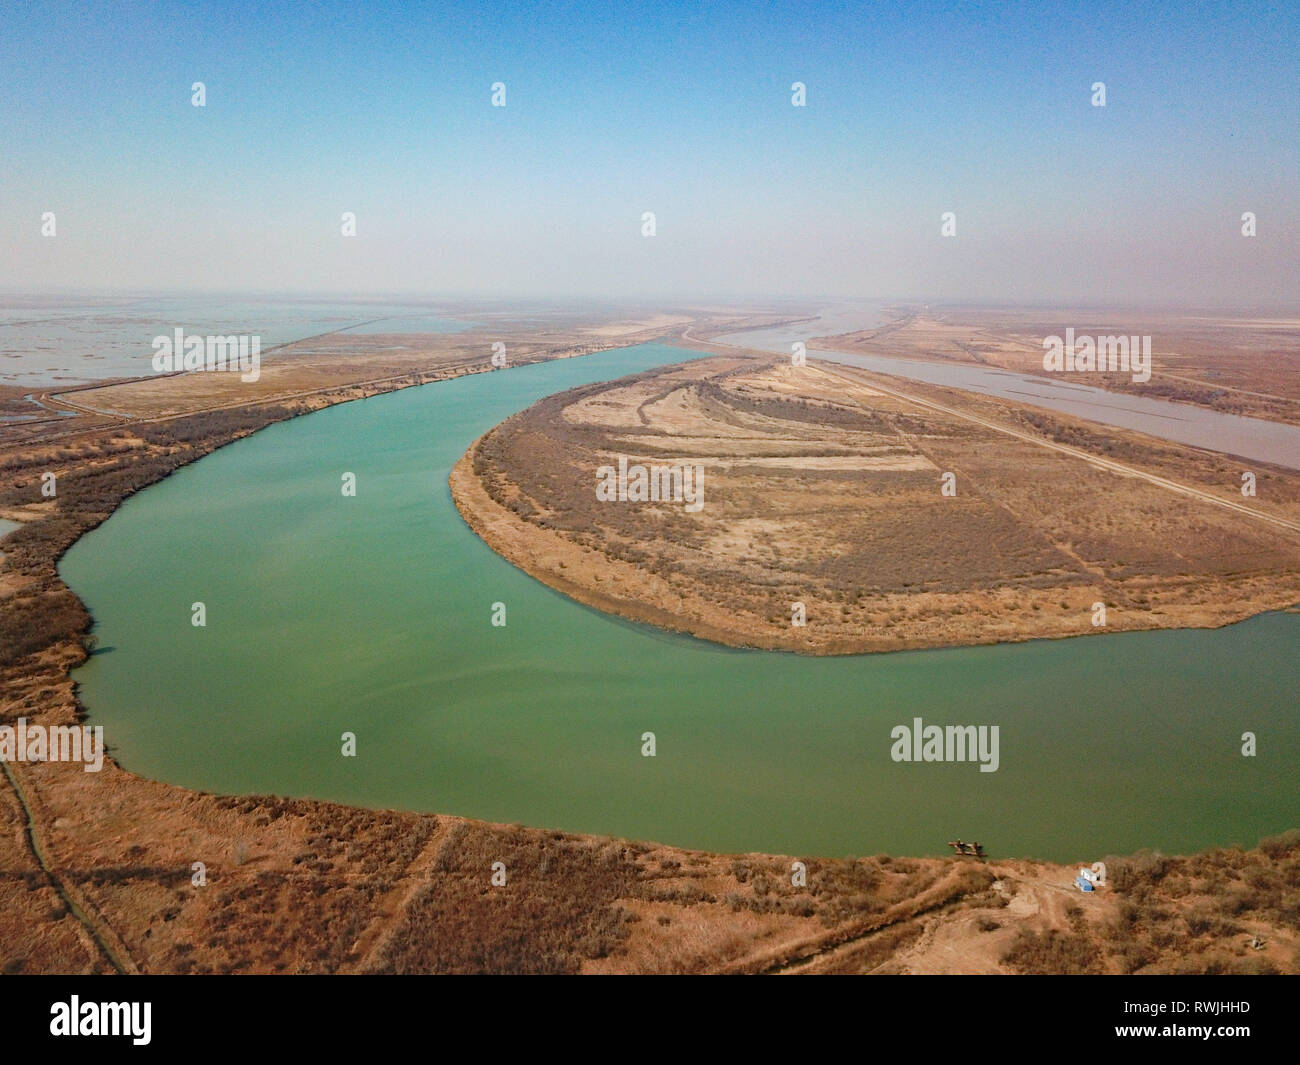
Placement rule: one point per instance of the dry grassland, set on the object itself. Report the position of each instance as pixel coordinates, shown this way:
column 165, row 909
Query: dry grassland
column 822, row 486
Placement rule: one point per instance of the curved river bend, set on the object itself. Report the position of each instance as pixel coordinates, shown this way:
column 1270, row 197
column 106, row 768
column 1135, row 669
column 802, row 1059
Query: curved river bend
column 372, row 615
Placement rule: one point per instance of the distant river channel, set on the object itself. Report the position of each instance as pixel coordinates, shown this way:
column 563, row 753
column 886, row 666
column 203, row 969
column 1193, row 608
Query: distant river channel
column 372, row 615
column 1182, row 423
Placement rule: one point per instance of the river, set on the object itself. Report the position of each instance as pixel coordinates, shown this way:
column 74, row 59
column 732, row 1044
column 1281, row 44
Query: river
column 1250, row 438
column 372, row 615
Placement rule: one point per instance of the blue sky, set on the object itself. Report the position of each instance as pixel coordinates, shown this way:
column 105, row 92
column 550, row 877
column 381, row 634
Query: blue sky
column 681, row 109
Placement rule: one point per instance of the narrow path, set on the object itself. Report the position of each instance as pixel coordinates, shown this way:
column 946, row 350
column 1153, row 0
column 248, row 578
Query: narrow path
column 802, row 956
column 370, row 945
column 1109, row 464
column 101, row 936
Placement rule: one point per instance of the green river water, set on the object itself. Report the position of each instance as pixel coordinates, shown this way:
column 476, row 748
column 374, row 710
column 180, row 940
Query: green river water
column 372, row 615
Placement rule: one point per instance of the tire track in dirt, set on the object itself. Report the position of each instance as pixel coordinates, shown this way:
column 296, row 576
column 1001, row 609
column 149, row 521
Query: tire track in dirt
column 100, row 933
column 369, row 947
column 1107, row 464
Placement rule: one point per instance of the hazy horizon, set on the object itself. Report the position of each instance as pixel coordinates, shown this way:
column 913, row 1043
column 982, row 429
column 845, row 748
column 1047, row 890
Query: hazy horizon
column 912, row 112
column 451, row 301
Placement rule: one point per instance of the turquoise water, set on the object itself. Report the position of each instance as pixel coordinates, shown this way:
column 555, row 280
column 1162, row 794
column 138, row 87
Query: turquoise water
column 373, row 615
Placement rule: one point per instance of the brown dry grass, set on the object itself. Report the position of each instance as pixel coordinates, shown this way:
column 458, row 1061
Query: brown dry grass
column 822, row 487
column 304, row 886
